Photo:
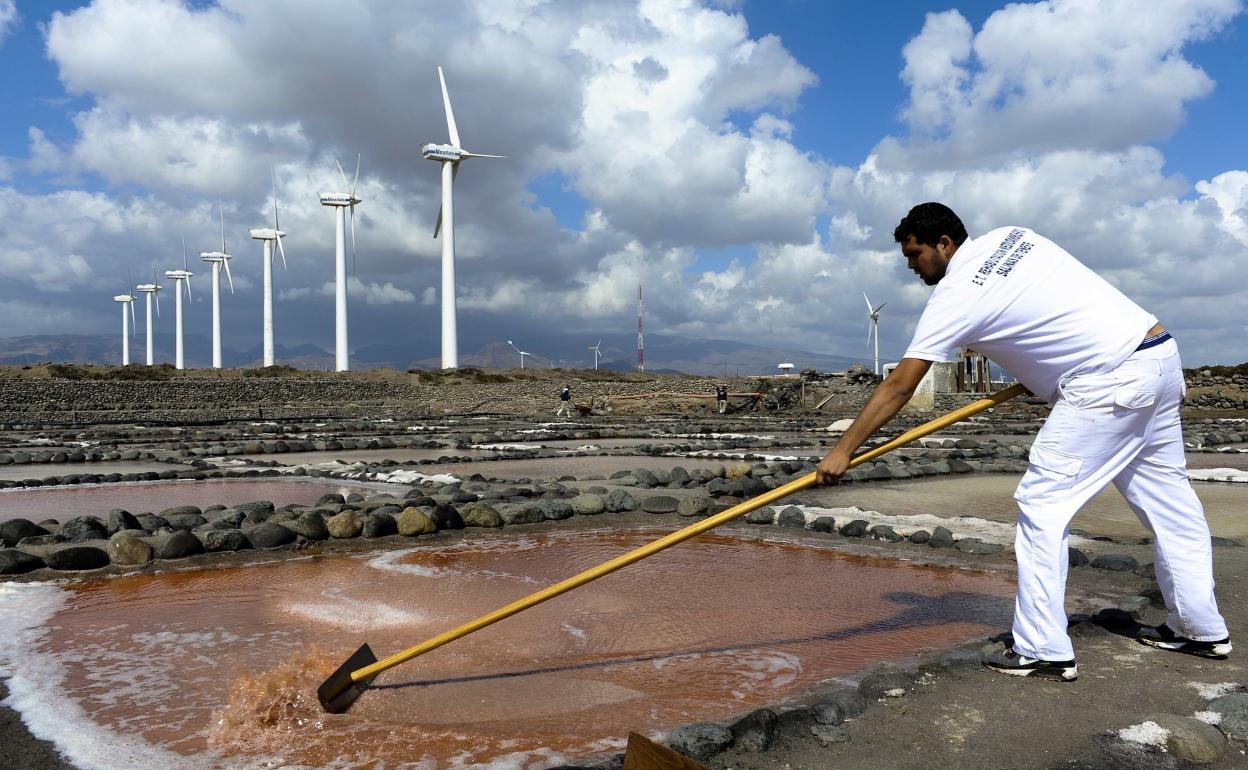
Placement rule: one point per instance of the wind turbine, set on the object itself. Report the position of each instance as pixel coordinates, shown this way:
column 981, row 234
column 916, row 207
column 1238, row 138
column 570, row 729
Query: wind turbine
column 873, row 313
column 521, row 352
column 268, row 235
column 180, row 278
column 595, row 349
column 340, row 202
column 217, row 259
column 126, row 300
column 149, row 289
column 449, row 155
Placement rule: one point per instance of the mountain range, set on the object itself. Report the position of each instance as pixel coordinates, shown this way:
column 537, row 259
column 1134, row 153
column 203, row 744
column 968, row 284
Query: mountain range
column 663, row 353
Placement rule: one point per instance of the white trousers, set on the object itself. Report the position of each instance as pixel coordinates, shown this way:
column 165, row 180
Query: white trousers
column 1122, row 426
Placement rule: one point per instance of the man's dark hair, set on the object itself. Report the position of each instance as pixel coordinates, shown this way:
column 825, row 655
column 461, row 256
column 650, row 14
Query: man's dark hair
column 927, row 222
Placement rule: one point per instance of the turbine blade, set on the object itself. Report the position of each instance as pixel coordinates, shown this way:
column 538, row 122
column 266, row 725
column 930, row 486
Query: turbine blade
column 281, row 251
column 357, row 173
column 868, row 332
column 450, row 115
column 341, row 173
column 437, row 228
column 481, row 155
column 878, row 309
column 869, row 308
column 273, row 172
column 187, row 281
column 157, row 292
column 183, row 251
column 222, row 205
column 226, row 262
column 133, row 323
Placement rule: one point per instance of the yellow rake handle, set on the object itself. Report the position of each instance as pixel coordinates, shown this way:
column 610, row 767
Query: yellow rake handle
column 679, row 536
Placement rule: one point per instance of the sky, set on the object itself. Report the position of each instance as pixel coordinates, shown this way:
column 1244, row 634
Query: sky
column 746, row 162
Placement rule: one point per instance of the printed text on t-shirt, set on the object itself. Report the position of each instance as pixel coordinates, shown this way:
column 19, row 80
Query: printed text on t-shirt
column 1010, row 246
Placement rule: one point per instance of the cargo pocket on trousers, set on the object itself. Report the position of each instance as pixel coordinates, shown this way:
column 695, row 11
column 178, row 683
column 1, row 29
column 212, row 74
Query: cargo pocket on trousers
column 1051, row 471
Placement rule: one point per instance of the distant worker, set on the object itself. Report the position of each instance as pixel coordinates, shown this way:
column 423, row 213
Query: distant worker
column 721, row 398
column 1114, row 377
column 565, row 403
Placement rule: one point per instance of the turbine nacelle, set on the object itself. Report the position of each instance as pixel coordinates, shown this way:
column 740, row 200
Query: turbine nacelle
column 443, row 152
column 266, row 234
column 178, row 275
column 148, row 288
column 124, row 298
column 337, row 199
column 214, row 256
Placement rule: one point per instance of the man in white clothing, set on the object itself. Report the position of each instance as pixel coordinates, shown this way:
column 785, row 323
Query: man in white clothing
column 1114, row 378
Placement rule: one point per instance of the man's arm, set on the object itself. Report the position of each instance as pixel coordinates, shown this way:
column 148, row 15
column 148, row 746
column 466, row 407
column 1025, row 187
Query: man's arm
column 887, row 400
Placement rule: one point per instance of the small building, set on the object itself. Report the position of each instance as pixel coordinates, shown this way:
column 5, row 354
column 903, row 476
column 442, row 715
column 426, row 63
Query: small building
column 786, row 369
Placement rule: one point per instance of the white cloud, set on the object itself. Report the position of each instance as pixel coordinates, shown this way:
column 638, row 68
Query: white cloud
column 8, row 18
column 372, row 293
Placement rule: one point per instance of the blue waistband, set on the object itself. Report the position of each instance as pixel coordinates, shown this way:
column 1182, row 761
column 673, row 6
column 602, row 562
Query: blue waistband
column 1154, row 341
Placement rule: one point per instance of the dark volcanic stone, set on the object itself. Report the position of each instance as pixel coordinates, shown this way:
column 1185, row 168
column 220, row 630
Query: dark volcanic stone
column 920, row 537
column 941, row 537
column 874, row 686
column 379, row 525
column 177, row 509
column 885, row 533
column 225, row 540
column 855, row 528
column 186, row 521
column 119, row 519
column 83, row 528
column 270, row 535
column 14, row 562
column 78, row 557
column 974, row 545
column 700, row 740
column 823, row 524
column 618, row 500
column 1077, row 558
column 1115, row 562
column 791, row 517
column 310, row 524
column 331, row 497
column 14, row 530
column 754, row 731
column 151, row 522
column 446, row 517
column 179, row 545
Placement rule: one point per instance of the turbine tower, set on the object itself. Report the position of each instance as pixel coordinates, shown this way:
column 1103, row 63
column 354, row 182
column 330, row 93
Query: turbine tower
column 126, row 300
column 341, row 202
column 641, row 339
column 449, row 155
column 180, row 278
column 149, row 289
column 217, row 259
column 267, row 235
column 595, row 349
column 521, row 352
column 873, row 313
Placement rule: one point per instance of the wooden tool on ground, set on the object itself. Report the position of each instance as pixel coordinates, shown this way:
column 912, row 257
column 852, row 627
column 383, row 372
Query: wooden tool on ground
column 345, row 685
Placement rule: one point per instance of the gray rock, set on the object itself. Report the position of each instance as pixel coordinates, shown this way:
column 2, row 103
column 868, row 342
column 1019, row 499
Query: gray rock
column 693, row 506
column 1191, row 739
column 920, row 537
column 520, row 513
column 446, row 517
column 151, row 522
column 1115, row 562
column 15, row 530
column 1077, row 558
column 127, row 549
column 310, row 524
column 221, row 540
column 554, row 510
column 619, row 500
column 659, row 504
column 588, row 505
column 792, row 517
column 331, row 497
column 77, row 557
column 957, row 465
column 828, row 735
column 345, row 525
column 827, row 713
column 15, row 562
column 941, row 538
column 187, row 521
column 481, row 515
column 1135, row 606
column 181, row 509
column 764, row 515
column 179, row 545
column 700, row 740
column 960, row 659
column 754, row 731
column 270, row 534
column 1233, row 708
column 974, row 545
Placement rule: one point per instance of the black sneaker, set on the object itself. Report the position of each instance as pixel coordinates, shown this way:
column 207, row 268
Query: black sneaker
column 1009, row 662
column 1162, row 637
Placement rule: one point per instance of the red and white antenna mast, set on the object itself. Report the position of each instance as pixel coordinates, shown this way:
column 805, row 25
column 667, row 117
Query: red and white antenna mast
column 641, row 340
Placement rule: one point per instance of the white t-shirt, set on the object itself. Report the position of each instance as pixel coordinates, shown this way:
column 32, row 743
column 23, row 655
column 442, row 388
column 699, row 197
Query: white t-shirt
column 1027, row 304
